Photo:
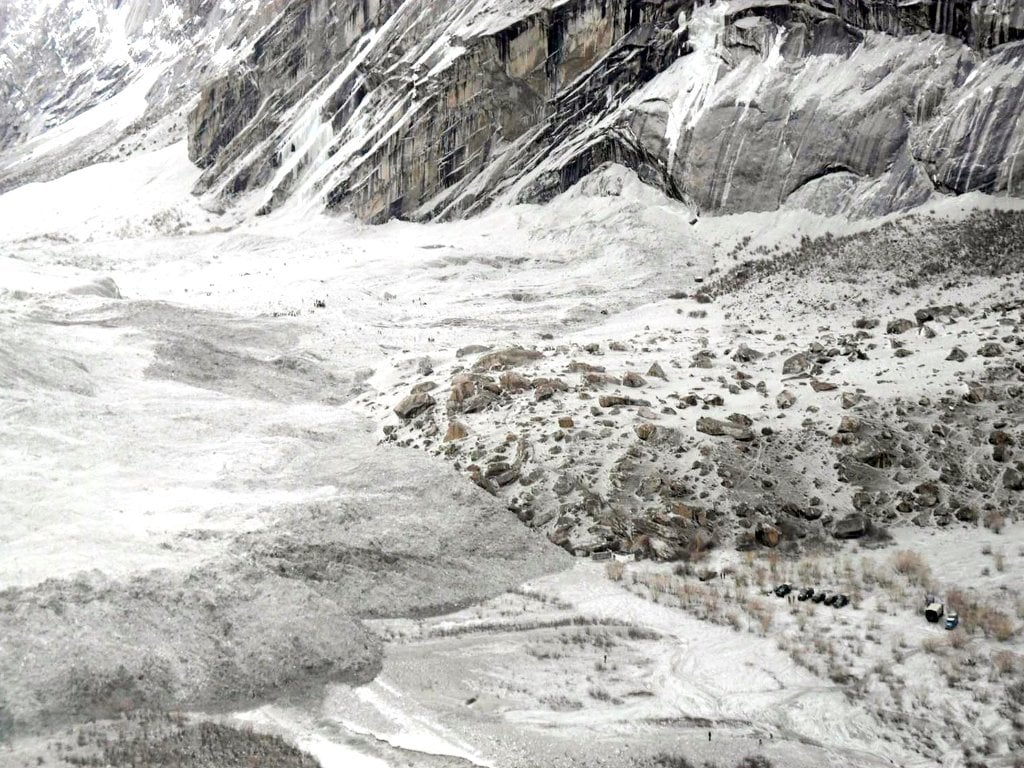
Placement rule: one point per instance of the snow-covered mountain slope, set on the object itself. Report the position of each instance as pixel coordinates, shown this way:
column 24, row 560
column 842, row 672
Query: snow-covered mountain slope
column 435, row 108
column 88, row 80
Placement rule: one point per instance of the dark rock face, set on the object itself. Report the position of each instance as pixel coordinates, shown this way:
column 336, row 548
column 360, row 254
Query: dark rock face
column 426, row 127
column 432, row 108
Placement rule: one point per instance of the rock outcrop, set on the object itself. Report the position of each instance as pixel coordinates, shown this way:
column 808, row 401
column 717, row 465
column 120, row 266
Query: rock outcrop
column 434, row 108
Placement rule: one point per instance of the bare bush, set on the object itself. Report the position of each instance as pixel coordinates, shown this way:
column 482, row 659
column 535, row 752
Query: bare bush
column 911, row 565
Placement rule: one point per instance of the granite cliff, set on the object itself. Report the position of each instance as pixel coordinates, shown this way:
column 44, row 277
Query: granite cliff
column 430, row 109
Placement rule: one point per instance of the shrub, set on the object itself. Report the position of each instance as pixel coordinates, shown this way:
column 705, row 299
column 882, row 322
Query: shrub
column 995, row 521
column 912, row 565
column 615, row 571
column 666, row 760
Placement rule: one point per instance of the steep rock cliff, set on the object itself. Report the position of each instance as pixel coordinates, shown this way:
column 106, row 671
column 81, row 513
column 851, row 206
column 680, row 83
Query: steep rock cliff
column 436, row 108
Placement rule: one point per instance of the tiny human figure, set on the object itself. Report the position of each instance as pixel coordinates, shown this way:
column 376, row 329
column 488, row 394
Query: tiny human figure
column 709, row 735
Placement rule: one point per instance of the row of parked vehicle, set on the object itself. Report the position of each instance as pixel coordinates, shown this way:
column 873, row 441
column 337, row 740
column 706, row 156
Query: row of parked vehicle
column 834, row 599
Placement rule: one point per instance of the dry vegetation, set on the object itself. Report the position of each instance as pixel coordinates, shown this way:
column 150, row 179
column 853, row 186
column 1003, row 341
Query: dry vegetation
column 167, row 740
column 880, row 650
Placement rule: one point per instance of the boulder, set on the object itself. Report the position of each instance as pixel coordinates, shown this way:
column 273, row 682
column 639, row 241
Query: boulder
column 613, row 401
column 506, row 358
column 849, row 424
column 899, row 325
column 956, row 355
column 414, row 404
column 1013, row 480
column 703, row 360
column 991, row 349
column 795, row 364
column 513, row 382
column 656, row 371
column 785, row 399
column 634, row 380
column 746, row 354
column 719, row 428
column 767, row 535
column 645, row 431
column 456, row 431
column 853, row 526
column 579, row 367
column 104, row 288
column 472, row 349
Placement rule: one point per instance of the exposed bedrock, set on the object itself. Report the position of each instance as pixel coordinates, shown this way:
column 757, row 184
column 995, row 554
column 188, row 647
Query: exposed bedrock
column 432, row 108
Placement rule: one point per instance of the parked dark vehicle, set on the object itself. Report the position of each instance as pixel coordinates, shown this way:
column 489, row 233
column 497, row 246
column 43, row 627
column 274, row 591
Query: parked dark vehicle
column 934, row 612
column 831, row 599
column 782, row 590
column 841, row 601
column 820, row 597
column 805, row 594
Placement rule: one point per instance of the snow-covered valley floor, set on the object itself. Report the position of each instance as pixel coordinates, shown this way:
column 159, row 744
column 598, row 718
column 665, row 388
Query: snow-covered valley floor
column 196, row 488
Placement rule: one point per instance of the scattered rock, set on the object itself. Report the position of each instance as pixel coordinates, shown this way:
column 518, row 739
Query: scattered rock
column 785, row 399
column 956, row 355
column 425, row 386
column 823, row 386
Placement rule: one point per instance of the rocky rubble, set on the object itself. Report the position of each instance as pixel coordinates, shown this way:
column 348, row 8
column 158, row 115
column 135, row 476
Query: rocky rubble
column 827, row 432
